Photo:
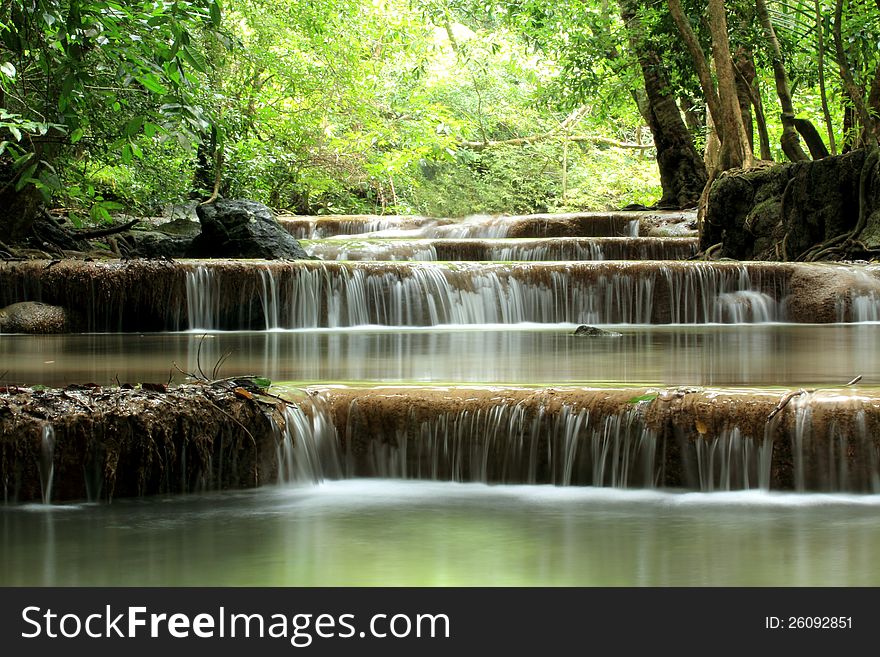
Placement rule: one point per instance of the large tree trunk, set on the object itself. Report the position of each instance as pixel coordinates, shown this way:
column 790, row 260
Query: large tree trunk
column 682, row 172
column 745, row 72
column 19, row 211
column 735, row 150
column 742, row 66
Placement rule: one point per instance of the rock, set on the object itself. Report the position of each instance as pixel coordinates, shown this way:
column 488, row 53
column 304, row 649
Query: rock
column 33, row 317
column 243, row 229
column 593, row 332
column 783, row 211
column 158, row 244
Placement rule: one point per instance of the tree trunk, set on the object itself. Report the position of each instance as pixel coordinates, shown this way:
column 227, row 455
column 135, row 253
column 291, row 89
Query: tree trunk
column 791, row 143
column 682, row 172
column 701, row 63
column 735, row 151
column 742, row 65
column 820, row 64
column 20, row 210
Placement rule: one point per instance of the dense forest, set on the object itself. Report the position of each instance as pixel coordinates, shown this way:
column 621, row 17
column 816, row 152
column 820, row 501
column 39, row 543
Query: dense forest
column 112, row 108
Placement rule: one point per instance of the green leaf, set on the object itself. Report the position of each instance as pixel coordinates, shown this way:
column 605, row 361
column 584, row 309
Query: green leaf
column 26, row 177
column 133, row 126
column 7, row 69
column 152, row 83
column 651, row 396
column 216, row 14
column 15, row 132
column 76, row 135
column 262, row 382
column 195, row 59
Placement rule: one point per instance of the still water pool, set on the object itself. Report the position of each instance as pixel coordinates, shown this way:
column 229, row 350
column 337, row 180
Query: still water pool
column 397, row 533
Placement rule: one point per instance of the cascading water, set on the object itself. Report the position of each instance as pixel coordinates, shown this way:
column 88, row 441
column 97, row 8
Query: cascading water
column 305, row 447
column 519, row 250
column 504, row 443
column 389, row 294
column 47, row 462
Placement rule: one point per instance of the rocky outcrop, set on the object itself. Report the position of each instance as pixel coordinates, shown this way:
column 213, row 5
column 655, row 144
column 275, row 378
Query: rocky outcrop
column 126, row 441
column 824, row 209
column 242, row 229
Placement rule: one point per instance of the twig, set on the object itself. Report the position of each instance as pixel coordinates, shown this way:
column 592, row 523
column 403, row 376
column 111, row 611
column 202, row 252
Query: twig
column 787, row 397
column 199, row 357
column 219, row 364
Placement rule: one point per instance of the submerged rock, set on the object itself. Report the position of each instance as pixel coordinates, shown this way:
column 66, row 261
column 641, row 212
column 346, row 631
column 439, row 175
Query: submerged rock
column 243, row 229
column 33, row 317
column 592, row 331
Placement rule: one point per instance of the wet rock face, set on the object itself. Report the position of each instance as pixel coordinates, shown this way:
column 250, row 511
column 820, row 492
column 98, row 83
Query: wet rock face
column 781, row 212
column 243, row 229
column 33, row 317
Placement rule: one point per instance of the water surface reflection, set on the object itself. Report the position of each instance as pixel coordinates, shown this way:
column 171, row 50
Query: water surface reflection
column 379, row 532
column 775, row 354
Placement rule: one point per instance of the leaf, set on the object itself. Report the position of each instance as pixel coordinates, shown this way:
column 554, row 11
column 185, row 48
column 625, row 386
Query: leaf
column 152, row 83
column 651, row 396
column 15, row 132
column 133, row 126
column 76, row 135
column 242, row 393
column 195, row 59
column 262, row 382
column 7, row 69
column 216, row 14
column 26, row 177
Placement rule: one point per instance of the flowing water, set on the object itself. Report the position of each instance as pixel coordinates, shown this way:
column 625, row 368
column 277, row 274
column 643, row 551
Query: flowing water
column 421, row 518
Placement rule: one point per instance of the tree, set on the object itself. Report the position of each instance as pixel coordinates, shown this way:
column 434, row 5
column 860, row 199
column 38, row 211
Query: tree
column 682, row 172
column 98, row 71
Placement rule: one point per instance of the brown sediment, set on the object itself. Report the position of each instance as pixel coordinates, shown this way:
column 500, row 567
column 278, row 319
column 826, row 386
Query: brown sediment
column 116, row 442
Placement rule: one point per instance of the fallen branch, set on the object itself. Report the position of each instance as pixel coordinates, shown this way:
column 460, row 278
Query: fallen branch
column 103, row 232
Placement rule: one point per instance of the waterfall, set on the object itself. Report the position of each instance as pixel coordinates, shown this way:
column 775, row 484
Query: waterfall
column 305, row 448
column 311, row 295
column 709, row 294
column 731, row 461
column 519, row 250
column 202, row 299
column 505, row 443
column 47, row 462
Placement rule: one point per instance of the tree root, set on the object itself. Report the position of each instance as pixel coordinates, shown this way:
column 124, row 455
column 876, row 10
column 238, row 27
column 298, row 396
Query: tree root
column 847, row 245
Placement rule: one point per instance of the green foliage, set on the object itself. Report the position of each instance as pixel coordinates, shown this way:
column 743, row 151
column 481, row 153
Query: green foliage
column 96, row 75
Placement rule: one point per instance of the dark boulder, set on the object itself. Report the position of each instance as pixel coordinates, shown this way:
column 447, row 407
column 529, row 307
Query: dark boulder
column 594, row 332
column 243, row 229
